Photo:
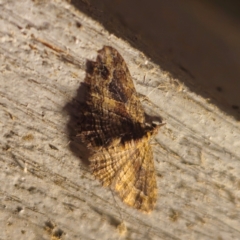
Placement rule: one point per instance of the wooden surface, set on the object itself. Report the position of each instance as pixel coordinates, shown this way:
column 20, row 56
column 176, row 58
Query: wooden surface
column 47, row 190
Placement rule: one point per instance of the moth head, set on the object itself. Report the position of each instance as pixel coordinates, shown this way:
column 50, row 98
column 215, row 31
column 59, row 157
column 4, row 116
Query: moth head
column 152, row 128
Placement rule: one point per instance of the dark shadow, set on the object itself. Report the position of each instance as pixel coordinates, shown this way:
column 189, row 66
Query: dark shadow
column 75, row 110
column 107, row 13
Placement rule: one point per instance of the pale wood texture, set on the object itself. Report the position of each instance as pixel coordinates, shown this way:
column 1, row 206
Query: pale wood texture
column 47, row 190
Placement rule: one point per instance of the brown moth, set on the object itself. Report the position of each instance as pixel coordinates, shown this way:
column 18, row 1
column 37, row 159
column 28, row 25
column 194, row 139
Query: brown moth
column 114, row 127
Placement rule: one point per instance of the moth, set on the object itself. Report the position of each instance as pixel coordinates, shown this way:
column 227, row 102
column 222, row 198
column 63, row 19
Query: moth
column 114, row 127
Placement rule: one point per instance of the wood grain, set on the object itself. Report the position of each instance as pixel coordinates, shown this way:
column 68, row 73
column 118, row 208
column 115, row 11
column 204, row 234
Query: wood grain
column 47, row 190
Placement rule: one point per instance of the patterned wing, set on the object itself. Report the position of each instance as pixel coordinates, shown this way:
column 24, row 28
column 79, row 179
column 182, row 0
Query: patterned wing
column 129, row 170
column 112, row 108
column 101, row 130
column 111, row 87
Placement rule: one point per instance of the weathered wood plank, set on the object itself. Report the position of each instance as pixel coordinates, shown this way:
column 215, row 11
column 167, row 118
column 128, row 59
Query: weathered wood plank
column 47, row 190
